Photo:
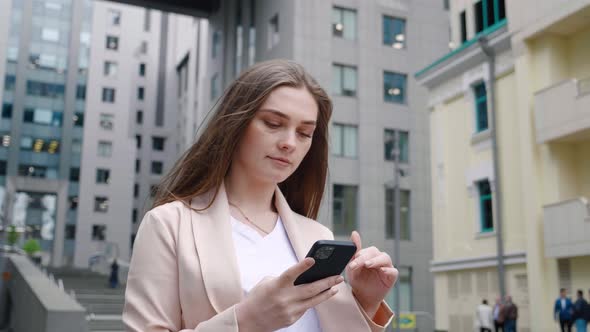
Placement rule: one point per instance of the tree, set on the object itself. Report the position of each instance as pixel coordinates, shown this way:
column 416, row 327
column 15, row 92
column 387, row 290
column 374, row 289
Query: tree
column 12, row 236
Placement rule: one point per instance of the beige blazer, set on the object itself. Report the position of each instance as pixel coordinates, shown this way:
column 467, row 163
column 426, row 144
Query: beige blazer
column 184, row 274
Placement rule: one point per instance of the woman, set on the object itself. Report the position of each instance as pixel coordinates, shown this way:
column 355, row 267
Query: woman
column 232, row 222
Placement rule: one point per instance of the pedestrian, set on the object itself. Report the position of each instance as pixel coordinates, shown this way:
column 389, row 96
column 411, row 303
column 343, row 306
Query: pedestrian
column 114, row 277
column 498, row 315
column 232, row 222
column 510, row 314
column 563, row 310
column 580, row 312
column 484, row 317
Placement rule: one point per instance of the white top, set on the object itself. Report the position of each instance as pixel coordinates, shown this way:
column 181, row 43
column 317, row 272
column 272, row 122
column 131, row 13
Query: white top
column 269, row 256
column 484, row 317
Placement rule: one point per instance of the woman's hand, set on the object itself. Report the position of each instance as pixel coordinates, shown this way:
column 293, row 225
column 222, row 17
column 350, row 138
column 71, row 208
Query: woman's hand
column 371, row 275
column 276, row 303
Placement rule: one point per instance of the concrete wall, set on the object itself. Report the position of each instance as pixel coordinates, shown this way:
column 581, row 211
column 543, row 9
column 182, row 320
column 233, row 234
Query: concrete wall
column 37, row 303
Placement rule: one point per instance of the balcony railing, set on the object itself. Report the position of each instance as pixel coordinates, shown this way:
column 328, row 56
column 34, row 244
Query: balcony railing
column 567, row 228
column 562, row 112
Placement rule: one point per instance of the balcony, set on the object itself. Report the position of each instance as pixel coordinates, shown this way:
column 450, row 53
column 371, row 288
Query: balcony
column 562, row 112
column 567, row 228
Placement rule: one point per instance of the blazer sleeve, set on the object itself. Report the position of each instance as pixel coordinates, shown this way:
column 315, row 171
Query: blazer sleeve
column 382, row 318
column 384, row 314
column 152, row 301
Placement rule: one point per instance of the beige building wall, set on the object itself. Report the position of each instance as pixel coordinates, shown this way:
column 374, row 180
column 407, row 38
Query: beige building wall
column 548, row 46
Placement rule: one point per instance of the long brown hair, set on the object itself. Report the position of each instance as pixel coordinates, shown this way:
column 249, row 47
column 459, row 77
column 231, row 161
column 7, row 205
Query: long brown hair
column 205, row 164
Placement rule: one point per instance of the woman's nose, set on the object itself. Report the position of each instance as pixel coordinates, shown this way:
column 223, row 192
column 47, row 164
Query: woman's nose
column 288, row 140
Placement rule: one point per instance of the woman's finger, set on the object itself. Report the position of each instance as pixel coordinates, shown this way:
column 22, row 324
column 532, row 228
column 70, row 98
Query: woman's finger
column 363, row 256
column 381, row 260
column 388, row 275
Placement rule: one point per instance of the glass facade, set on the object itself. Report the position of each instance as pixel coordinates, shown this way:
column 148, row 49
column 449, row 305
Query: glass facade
column 41, row 114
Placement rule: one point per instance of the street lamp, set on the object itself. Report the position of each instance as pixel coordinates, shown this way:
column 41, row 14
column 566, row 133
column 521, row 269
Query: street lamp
column 396, row 215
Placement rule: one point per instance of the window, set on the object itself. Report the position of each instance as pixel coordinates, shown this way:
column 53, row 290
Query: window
column 485, row 206
column 99, row 232
column 158, row 143
column 216, row 47
column 394, row 87
column 394, row 32
column 37, row 145
column 5, row 140
column 404, row 204
column 112, row 43
column 6, row 111
column 273, row 31
column 389, row 143
column 137, row 165
column 487, row 13
column 214, row 86
column 107, row 121
column 463, row 22
column 446, row 5
column 344, row 80
column 138, row 141
column 344, row 141
column 80, row 92
column 404, row 286
column 50, row 35
column 42, row 117
column 78, row 119
column 108, row 95
column 344, row 209
column 114, row 17
column 140, row 93
column 2, row 167
column 103, row 175
column 481, row 107
column 70, row 232
column 76, row 145
column 157, row 167
column 134, row 216
column 9, row 82
column 143, row 47
column 139, row 117
column 153, row 190
column 42, row 89
column 101, row 204
column 73, row 201
column 147, row 20
column 37, row 171
column 344, row 23
column 75, row 174
column 110, row 70
column 105, row 149
column 136, row 190
column 142, row 69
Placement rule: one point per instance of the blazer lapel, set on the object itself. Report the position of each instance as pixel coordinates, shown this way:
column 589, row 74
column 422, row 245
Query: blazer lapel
column 215, row 248
column 340, row 313
column 299, row 241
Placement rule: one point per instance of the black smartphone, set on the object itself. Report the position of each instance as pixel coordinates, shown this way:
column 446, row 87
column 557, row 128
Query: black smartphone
column 330, row 258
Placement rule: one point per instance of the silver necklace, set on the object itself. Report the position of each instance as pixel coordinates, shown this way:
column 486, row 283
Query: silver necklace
column 248, row 219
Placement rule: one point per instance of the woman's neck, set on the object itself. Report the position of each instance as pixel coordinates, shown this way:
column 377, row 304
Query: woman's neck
column 249, row 194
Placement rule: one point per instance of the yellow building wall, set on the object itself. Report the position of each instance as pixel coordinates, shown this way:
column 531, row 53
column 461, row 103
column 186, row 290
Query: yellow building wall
column 458, row 293
column 579, row 53
column 580, row 272
column 456, row 221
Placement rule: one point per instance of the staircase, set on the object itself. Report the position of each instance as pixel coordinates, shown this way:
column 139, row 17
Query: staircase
column 103, row 304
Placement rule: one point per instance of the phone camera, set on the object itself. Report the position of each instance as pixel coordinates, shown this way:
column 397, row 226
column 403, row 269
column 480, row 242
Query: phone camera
column 324, row 252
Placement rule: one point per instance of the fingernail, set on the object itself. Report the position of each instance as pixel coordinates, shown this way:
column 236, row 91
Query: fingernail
column 368, row 263
column 339, row 279
column 353, row 265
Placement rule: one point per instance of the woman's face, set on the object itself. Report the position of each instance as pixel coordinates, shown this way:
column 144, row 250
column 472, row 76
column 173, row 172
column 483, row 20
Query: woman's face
column 278, row 137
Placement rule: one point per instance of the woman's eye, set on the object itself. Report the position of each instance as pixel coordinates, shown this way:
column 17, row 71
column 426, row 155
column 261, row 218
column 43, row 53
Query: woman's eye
column 306, row 135
column 272, row 124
